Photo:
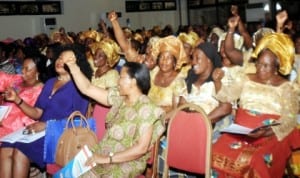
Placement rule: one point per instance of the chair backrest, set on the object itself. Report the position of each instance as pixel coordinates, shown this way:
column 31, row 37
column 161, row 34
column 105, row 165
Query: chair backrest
column 99, row 114
column 189, row 140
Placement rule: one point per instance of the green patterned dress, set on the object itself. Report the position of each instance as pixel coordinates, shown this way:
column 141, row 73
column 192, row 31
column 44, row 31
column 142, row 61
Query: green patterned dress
column 126, row 125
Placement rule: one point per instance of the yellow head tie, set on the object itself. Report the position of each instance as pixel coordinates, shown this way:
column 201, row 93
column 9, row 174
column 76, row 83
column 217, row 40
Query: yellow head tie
column 282, row 46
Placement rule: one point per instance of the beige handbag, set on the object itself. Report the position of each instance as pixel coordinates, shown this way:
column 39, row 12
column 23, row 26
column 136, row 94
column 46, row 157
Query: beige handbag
column 73, row 139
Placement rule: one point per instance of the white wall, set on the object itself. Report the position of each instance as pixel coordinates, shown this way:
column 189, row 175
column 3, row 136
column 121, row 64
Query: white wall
column 79, row 15
column 256, row 14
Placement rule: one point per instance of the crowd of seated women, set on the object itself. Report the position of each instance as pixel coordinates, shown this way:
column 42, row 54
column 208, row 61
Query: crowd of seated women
column 232, row 76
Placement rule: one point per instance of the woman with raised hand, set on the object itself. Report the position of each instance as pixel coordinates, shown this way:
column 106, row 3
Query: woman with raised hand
column 105, row 56
column 133, row 124
column 265, row 97
column 58, row 99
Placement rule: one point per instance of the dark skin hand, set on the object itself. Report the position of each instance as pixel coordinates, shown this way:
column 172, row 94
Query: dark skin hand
column 36, row 127
column 263, row 132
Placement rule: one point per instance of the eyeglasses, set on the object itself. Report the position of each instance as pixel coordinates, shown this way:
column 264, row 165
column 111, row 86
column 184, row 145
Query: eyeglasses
column 264, row 65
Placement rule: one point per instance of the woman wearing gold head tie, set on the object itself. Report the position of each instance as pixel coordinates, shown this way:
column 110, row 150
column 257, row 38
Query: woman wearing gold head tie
column 105, row 56
column 190, row 41
column 166, row 83
column 87, row 38
column 265, row 97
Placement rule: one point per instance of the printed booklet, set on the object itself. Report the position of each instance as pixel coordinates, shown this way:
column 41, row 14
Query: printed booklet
column 76, row 167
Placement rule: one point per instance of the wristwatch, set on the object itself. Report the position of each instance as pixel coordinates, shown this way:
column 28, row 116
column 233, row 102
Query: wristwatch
column 111, row 154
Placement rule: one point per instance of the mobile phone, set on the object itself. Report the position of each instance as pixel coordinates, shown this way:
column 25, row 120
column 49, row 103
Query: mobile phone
column 26, row 132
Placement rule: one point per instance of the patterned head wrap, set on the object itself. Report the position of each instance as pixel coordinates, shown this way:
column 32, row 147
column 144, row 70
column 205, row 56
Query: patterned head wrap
column 110, row 48
column 153, row 43
column 190, row 38
column 282, row 46
column 261, row 33
column 153, row 40
column 93, row 34
column 175, row 47
column 216, row 30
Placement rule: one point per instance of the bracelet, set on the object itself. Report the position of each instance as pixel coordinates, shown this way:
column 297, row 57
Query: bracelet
column 111, row 154
column 21, row 101
column 230, row 32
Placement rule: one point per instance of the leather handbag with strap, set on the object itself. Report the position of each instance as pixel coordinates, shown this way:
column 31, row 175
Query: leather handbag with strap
column 73, row 139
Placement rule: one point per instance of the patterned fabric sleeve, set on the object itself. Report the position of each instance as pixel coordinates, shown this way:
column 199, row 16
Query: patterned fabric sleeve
column 115, row 100
column 112, row 79
column 290, row 107
column 230, row 93
column 151, row 115
column 113, row 97
column 184, row 92
column 179, row 85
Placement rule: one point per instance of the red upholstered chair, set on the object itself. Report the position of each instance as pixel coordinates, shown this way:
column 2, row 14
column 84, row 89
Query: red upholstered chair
column 189, row 141
column 99, row 114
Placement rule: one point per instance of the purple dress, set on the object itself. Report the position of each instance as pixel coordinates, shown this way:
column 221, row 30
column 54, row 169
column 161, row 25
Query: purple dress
column 55, row 106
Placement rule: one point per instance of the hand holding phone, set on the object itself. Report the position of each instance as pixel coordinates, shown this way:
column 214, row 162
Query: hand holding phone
column 28, row 131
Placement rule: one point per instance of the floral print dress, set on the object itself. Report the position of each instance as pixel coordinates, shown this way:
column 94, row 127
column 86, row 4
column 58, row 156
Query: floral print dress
column 126, row 125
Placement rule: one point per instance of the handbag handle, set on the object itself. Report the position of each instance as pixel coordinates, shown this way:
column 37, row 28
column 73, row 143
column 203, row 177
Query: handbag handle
column 71, row 119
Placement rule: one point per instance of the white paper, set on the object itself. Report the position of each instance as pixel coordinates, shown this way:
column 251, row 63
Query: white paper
column 18, row 136
column 237, row 129
column 4, row 111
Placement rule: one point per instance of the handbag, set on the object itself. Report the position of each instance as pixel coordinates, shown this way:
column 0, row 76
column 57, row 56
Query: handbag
column 73, row 139
column 54, row 129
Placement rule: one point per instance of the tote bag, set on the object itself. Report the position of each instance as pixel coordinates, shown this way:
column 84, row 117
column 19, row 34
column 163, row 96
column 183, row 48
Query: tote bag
column 55, row 128
column 73, row 139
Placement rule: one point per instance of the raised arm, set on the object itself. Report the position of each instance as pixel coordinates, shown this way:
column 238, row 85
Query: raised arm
column 84, row 85
column 281, row 17
column 234, row 55
column 130, row 52
column 241, row 28
column 104, row 29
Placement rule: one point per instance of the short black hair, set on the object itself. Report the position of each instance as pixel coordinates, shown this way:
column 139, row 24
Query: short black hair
column 141, row 74
column 40, row 61
column 81, row 60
